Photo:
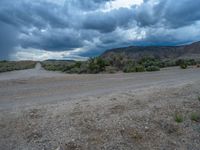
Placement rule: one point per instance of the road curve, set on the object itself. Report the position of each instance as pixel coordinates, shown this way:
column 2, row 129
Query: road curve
column 38, row 86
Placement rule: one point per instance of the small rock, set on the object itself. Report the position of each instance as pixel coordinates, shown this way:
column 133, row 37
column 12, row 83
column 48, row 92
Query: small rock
column 59, row 148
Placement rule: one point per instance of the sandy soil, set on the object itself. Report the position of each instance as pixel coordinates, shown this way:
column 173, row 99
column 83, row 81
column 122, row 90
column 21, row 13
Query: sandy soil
column 54, row 111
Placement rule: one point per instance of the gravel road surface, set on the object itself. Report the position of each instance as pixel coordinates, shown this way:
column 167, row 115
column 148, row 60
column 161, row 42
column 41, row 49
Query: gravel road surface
column 37, row 86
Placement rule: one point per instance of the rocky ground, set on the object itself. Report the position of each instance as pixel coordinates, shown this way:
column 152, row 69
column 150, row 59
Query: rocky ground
column 138, row 114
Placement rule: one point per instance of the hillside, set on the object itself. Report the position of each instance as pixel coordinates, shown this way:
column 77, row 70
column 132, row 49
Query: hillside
column 162, row 52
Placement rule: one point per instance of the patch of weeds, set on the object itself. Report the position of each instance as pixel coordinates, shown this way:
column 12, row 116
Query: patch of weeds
column 178, row 118
column 95, row 139
column 195, row 117
column 170, row 128
column 118, row 109
column 199, row 98
column 71, row 146
column 131, row 133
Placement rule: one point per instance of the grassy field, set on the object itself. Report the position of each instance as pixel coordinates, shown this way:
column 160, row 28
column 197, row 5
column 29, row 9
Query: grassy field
column 6, row 66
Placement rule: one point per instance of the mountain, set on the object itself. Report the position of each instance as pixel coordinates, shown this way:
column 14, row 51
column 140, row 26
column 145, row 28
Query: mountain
column 191, row 51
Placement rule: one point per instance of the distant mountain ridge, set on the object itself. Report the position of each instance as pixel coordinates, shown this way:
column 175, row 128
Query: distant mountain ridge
column 191, row 51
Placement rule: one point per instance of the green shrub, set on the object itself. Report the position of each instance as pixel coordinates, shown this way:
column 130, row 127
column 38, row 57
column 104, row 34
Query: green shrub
column 183, row 66
column 128, row 69
column 150, row 61
column 178, row 118
column 132, row 68
column 118, row 61
column 185, row 63
column 199, row 98
column 77, row 64
column 78, row 67
column 96, row 65
column 74, row 70
column 195, row 117
column 152, row 68
column 191, row 62
column 168, row 63
column 139, row 68
column 179, row 62
column 111, row 69
column 182, row 63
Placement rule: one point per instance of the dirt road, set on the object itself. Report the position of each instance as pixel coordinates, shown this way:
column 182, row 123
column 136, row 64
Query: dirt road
column 54, row 111
column 37, row 86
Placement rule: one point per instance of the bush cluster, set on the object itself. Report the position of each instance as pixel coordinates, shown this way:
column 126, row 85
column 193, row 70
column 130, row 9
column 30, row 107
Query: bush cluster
column 96, row 65
column 6, row 66
column 153, row 68
column 93, row 65
column 115, row 63
column 134, row 68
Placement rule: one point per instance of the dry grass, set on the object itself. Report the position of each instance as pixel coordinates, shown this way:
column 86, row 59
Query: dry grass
column 6, row 66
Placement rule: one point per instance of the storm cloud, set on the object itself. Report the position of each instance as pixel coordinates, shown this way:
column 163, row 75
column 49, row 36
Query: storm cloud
column 77, row 28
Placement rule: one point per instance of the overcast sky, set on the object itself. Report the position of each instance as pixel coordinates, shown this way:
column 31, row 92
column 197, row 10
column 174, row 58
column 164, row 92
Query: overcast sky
column 77, row 29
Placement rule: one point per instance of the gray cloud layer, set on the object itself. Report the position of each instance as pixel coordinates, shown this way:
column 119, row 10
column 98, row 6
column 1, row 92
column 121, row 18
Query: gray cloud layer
column 50, row 26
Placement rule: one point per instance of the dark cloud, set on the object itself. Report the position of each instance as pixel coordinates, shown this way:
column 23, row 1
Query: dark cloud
column 183, row 13
column 8, row 39
column 168, row 13
column 33, row 14
column 53, row 40
column 108, row 21
column 56, row 26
